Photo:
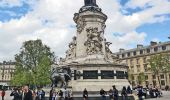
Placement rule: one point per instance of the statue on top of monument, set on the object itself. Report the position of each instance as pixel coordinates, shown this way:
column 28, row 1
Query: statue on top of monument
column 90, row 2
column 90, row 5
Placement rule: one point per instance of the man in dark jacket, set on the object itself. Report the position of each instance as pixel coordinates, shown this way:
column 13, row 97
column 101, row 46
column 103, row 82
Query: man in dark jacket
column 115, row 93
column 27, row 93
column 15, row 94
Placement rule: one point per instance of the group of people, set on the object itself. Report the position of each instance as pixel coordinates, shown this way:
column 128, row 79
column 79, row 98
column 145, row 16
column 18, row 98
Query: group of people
column 22, row 94
column 113, row 93
column 25, row 93
column 61, row 94
column 151, row 92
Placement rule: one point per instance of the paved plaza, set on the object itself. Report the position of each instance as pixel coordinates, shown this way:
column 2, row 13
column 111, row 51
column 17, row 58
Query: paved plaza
column 166, row 96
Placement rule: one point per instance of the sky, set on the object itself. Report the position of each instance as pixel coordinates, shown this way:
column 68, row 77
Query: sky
column 130, row 22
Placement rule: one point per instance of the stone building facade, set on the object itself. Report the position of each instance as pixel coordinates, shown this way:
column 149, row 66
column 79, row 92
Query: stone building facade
column 137, row 61
column 6, row 72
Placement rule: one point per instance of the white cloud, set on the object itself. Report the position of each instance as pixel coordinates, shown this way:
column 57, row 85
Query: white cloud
column 50, row 20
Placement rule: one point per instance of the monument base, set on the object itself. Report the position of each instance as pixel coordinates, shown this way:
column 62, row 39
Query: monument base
column 95, row 77
column 97, row 85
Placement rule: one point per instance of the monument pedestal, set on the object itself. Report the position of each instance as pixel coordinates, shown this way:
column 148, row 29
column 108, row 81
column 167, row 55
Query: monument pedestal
column 93, row 64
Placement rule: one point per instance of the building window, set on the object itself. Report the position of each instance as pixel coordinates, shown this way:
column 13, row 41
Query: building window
column 163, row 47
column 90, row 74
column 148, row 50
column 128, row 54
column 120, row 74
column 107, row 75
column 154, row 83
column 123, row 55
column 137, row 60
column 138, row 68
column 141, row 51
column 132, row 68
column 163, row 82
column 162, row 76
column 134, row 53
column 144, row 60
column 156, row 49
column 153, row 77
column 133, row 78
column 146, row 77
column 146, row 82
column 131, row 61
column 145, row 67
column 118, row 56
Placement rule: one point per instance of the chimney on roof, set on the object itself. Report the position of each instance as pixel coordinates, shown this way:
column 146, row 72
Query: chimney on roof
column 121, row 50
column 139, row 46
column 153, row 43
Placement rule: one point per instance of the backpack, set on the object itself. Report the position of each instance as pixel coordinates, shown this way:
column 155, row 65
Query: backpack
column 140, row 92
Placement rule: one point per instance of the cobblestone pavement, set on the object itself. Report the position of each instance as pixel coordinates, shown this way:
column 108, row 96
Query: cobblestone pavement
column 166, row 96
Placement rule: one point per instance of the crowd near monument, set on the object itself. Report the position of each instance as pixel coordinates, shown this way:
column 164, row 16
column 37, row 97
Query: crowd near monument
column 93, row 65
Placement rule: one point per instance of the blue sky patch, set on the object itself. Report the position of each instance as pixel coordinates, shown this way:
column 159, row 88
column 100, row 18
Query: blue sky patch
column 159, row 31
column 8, row 13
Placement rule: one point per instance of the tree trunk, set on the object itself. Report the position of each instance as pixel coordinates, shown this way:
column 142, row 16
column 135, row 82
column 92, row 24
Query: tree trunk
column 159, row 80
column 166, row 78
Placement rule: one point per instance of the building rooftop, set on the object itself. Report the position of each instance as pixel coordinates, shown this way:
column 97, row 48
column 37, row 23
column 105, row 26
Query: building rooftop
column 140, row 47
column 7, row 63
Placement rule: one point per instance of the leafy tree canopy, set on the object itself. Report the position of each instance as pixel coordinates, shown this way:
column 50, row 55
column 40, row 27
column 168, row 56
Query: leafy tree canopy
column 33, row 64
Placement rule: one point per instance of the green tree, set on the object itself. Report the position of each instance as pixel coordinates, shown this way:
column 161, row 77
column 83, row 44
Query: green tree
column 33, row 64
column 166, row 66
column 130, row 76
column 141, row 78
column 158, row 64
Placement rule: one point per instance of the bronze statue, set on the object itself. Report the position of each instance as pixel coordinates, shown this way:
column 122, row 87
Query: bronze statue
column 60, row 77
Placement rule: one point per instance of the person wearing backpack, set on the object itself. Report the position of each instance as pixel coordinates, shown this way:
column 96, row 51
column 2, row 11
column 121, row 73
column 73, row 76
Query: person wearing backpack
column 140, row 92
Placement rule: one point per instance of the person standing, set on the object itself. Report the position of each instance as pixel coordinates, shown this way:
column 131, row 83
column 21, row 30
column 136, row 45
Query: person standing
column 51, row 94
column 129, row 90
column 60, row 95
column 3, row 94
column 54, row 95
column 85, row 94
column 66, row 92
column 111, row 94
column 124, row 93
column 140, row 92
column 70, row 95
column 15, row 94
column 27, row 93
column 115, row 93
column 41, row 94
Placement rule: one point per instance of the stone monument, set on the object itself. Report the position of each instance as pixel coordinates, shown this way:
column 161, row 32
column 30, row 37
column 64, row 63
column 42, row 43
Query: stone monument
column 89, row 57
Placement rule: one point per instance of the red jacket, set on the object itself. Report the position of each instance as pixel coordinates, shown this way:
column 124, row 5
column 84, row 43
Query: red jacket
column 3, row 93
